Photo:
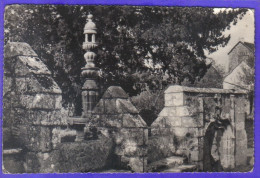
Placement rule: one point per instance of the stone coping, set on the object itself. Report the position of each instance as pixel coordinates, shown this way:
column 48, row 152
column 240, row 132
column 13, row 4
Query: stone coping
column 77, row 120
column 11, row 151
column 178, row 89
column 13, row 49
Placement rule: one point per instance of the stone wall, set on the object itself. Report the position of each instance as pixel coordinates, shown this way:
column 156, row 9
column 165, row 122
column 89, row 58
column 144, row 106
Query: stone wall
column 206, row 126
column 32, row 106
column 116, row 117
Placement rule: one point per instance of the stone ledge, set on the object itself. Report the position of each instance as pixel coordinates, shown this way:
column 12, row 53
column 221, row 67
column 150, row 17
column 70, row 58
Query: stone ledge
column 178, row 89
column 18, row 49
column 12, row 151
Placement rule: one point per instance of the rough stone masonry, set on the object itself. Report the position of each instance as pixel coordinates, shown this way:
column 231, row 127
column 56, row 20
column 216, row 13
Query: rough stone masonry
column 205, row 125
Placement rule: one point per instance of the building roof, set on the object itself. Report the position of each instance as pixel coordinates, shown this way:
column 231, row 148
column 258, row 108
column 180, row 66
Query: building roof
column 237, row 78
column 250, row 46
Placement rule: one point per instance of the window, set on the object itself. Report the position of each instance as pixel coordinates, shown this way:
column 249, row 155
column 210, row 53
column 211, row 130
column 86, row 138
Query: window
column 89, row 37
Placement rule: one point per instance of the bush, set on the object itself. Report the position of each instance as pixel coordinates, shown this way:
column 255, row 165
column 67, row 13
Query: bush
column 86, row 156
column 149, row 104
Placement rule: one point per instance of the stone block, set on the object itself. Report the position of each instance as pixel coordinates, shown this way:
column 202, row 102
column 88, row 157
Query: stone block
column 134, row 135
column 115, row 122
column 13, row 49
column 37, row 84
column 125, row 106
column 195, row 155
column 130, row 120
column 173, row 121
column 240, row 104
column 240, row 117
column 7, row 85
column 111, row 120
column 176, row 111
column 241, row 136
column 32, row 164
column 58, row 101
column 162, row 131
column 240, row 155
column 201, row 153
column 38, row 138
column 240, row 126
column 159, row 122
column 58, row 134
column 180, row 131
column 174, row 99
column 110, row 106
column 21, row 69
column 41, row 101
column 13, row 163
column 146, row 138
column 191, row 122
column 137, row 164
column 131, row 150
column 115, row 92
column 44, row 161
column 42, row 117
column 33, row 64
column 100, row 107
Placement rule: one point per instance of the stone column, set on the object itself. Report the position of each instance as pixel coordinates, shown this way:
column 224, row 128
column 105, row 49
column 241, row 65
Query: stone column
column 240, row 132
column 90, row 89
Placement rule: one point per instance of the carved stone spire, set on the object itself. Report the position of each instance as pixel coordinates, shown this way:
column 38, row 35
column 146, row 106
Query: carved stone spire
column 89, row 72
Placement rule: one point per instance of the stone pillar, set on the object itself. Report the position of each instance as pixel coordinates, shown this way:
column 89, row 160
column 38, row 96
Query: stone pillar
column 90, row 89
column 240, row 132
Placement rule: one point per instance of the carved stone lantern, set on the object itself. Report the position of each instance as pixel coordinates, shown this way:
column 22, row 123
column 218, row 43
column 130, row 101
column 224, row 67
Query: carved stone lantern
column 90, row 89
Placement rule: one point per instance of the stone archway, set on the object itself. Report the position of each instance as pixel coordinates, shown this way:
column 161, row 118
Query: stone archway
column 218, row 147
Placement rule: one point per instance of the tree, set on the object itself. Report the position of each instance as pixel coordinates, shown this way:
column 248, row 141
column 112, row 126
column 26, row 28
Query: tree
column 172, row 38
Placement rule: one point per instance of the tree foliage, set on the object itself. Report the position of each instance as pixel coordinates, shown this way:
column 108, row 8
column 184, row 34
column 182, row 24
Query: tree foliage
column 135, row 42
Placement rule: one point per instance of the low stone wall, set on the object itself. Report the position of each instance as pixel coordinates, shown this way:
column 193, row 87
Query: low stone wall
column 206, row 125
column 116, row 117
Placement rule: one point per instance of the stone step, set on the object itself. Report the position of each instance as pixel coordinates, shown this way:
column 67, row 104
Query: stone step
column 165, row 163
column 181, row 168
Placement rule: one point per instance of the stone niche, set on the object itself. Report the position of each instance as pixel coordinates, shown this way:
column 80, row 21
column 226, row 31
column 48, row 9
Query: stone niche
column 205, row 125
column 116, row 117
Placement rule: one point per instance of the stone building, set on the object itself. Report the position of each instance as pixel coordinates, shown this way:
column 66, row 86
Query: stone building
column 242, row 51
column 240, row 71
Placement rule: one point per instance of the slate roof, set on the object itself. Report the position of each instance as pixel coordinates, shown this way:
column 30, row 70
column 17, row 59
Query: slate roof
column 234, row 79
column 250, row 46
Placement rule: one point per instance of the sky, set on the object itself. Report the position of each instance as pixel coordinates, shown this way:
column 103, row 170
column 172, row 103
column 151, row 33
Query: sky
column 243, row 30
